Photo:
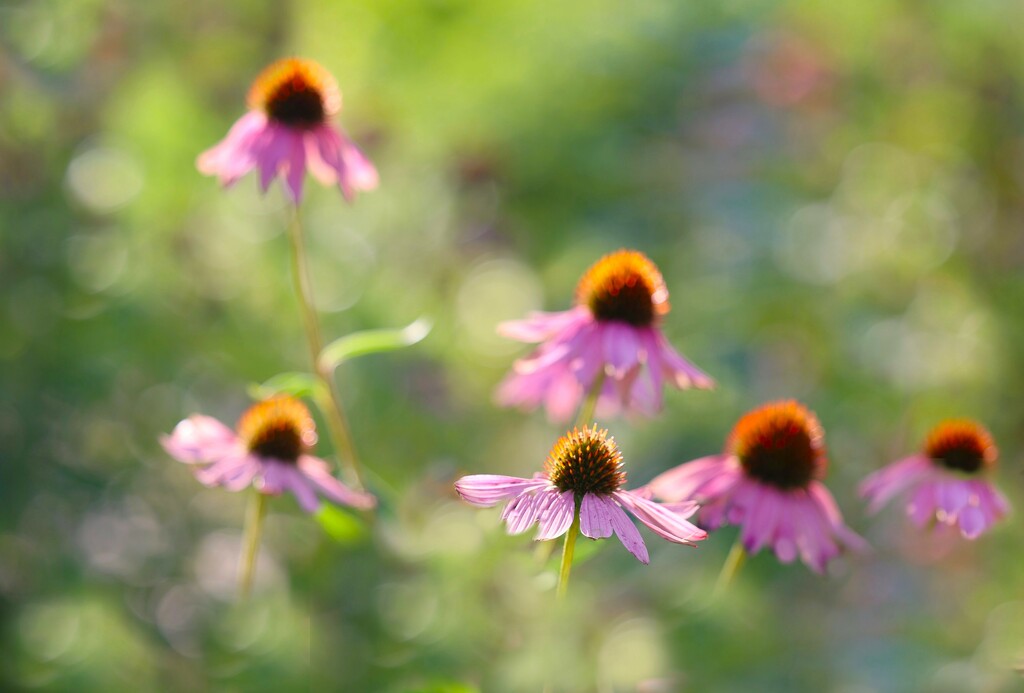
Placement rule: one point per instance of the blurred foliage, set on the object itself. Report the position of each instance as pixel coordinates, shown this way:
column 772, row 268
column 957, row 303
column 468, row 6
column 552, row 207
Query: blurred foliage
column 833, row 192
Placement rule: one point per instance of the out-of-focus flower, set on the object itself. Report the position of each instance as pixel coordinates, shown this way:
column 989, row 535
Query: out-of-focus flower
column 767, row 481
column 583, row 473
column 287, row 131
column 270, row 451
column 946, row 482
column 613, row 333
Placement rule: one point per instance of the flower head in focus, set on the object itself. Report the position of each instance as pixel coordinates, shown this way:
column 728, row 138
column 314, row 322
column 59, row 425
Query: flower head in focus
column 270, row 450
column 946, row 482
column 768, row 482
column 287, row 131
column 583, row 473
column 613, row 333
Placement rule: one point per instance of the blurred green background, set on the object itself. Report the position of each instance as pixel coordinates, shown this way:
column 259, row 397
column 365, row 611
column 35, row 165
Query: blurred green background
column 833, row 192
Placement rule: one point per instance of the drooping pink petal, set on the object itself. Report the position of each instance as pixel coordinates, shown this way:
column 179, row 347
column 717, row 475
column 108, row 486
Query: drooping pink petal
column 687, row 481
column 678, row 369
column 759, row 529
column 951, row 495
column 621, row 347
column 972, row 522
column 814, row 541
column 651, row 388
column 234, row 472
column 200, row 440
column 489, row 489
column 922, row 506
column 538, row 326
column 563, row 397
column 317, row 472
column 351, row 169
column 272, row 154
column 826, row 505
column 628, row 534
column 881, row 486
column 660, row 520
column 318, row 157
column 300, row 486
column 360, row 174
column 296, row 167
column 233, row 156
column 595, row 516
column 557, row 516
column 684, row 509
column 523, row 510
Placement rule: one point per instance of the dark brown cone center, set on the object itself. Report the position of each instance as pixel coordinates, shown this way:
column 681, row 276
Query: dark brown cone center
column 628, row 301
column 296, row 104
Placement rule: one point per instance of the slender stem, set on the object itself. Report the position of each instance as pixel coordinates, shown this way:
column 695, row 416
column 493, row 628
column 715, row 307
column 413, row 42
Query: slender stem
column 251, row 542
column 567, row 551
column 337, row 423
column 589, row 405
column 733, row 563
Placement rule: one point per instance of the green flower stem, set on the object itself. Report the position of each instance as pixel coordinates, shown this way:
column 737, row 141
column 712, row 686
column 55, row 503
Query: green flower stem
column 567, row 551
column 251, row 542
column 586, row 414
column 330, row 403
column 733, row 563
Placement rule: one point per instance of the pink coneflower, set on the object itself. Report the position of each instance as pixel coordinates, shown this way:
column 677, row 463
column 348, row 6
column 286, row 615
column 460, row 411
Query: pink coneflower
column 583, row 473
column 946, row 482
column 270, row 451
column 613, row 333
column 288, row 130
column 767, row 481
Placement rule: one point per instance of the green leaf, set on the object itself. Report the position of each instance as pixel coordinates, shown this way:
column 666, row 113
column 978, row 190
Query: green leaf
column 340, row 525
column 372, row 342
column 294, row 384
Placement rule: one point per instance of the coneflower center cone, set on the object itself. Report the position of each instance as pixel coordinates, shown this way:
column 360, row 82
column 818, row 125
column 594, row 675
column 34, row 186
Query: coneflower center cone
column 780, row 444
column 586, row 461
column 280, row 428
column 295, row 92
column 624, row 286
column 962, row 445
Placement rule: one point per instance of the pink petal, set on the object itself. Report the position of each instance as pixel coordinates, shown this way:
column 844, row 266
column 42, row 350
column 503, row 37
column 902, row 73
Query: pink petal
column 362, row 174
column 272, row 155
column 972, row 522
column 814, row 540
column 678, row 369
column 316, row 160
column 687, row 480
column 826, row 505
column 627, row 533
column 762, row 521
column 878, row 488
column 233, row 156
column 563, row 397
column 556, row 517
column 595, row 516
column 621, row 347
column 296, row 167
column 300, row 486
column 317, row 472
column 951, row 495
column 489, row 489
column 990, row 499
column 660, row 520
column 233, row 472
column 200, row 439
column 921, row 508
column 538, row 327
column 522, row 511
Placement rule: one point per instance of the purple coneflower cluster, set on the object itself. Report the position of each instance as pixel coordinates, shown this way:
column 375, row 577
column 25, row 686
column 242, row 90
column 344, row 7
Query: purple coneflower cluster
column 606, row 355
